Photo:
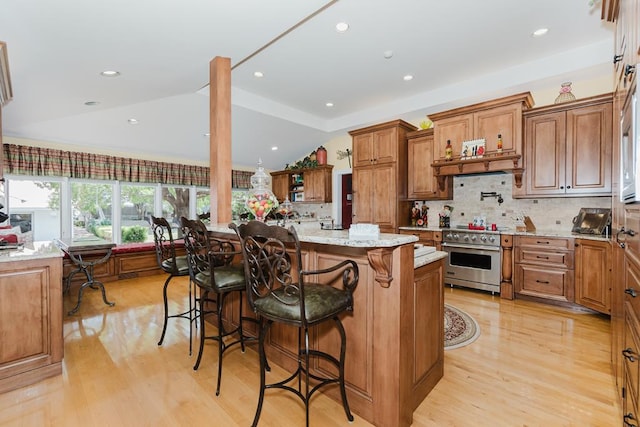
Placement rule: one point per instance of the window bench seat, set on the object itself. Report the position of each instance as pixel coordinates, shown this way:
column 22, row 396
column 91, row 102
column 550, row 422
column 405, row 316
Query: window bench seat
column 126, row 262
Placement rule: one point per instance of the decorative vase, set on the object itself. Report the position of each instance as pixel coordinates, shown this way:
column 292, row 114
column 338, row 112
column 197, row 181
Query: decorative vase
column 565, row 94
column 321, row 155
column 260, row 199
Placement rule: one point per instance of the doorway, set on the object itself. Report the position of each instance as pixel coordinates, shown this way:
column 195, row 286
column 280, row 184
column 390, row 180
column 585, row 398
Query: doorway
column 346, row 201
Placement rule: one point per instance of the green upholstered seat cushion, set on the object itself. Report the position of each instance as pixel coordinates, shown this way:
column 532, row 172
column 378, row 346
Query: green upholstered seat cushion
column 321, row 302
column 227, row 278
column 181, row 262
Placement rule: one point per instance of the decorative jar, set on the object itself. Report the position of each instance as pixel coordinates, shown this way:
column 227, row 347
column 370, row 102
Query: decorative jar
column 260, row 199
column 565, row 94
column 321, row 155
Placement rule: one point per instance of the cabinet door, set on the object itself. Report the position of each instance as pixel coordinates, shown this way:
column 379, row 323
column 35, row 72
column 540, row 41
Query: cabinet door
column 545, row 150
column 363, row 150
column 589, row 136
column 385, row 145
column 456, row 129
column 383, row 201
column 280, row 186
column 506, row 121
column 593, row 275
column 317, row 185
column 421, row 183
column 362, row 190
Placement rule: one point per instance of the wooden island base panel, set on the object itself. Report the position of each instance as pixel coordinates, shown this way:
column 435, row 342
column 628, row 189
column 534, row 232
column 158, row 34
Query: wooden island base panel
column 31, row 347
column 395, row 343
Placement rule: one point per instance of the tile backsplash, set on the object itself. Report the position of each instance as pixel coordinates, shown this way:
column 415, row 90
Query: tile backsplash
column 548, row 214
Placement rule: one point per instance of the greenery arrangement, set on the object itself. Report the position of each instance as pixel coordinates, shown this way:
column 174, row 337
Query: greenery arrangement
column 134, row 234
column 302, row 164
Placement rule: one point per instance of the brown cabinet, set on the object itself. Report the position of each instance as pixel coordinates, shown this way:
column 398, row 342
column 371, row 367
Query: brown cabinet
column 567, row 149
column 484, row 120
column 312, row 185
column 593, row 274
column 544, row 268
column 380, row 174
column 31, row 348
column 421, row 182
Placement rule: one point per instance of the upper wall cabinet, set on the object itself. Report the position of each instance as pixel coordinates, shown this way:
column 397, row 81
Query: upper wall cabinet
column 311, row 185
column 421, row 183
column 486, row 121
column 567, row 149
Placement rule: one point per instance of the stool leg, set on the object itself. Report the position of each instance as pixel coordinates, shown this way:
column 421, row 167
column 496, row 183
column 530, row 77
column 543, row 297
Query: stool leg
column 219, row 303
column 263, row 359
column 343, row 350
column 166, row 309
column 203, row 299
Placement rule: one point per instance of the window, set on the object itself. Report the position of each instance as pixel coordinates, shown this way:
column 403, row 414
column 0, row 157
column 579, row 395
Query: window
column 91, row 207
column 137, row 201
column 175, row 204
column 203, row 204
column 238, row 206
column 34, row 206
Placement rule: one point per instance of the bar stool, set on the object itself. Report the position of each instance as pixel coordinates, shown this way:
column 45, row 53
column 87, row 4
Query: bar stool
column 175, row 266
column 211, row 269
column 278, row 290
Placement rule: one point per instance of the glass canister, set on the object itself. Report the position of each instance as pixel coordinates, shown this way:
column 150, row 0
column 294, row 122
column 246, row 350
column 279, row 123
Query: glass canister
column 260, row 199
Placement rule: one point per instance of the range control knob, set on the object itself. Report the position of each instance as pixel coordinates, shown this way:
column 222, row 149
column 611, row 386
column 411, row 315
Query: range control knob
column 448, row 236
column 456, row 237
column 473, row 238
column 483, row 238
column 492, row 239
column 466, row 238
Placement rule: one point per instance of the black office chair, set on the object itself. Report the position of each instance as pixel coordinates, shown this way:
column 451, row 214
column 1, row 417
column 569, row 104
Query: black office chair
column 173, row 265
column 212, row 270
column 279, row 290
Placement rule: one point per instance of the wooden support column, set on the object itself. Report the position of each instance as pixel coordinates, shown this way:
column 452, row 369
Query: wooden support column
column 220, row 139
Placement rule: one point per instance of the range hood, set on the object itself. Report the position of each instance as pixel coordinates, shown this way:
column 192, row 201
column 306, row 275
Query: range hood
column 509, row 162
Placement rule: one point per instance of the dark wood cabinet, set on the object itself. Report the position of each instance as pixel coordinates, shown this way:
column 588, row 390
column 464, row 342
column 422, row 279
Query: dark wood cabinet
column 567, row 149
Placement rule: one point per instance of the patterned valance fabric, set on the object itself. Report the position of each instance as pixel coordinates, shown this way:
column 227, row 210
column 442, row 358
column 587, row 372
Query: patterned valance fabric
column 37, row 161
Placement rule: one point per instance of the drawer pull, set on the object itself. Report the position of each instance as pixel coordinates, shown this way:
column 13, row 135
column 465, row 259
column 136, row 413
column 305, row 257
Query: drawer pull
column 628, row 418
column 631, row 291
column 542, row 257
column 629, row 354
column 546, row 282
column 543, row 242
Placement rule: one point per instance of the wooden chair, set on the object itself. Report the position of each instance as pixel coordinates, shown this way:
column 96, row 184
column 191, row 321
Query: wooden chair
column 279, row 290
column 173, row 265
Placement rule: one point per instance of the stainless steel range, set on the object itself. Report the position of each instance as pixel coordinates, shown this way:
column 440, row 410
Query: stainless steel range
column 474, row 259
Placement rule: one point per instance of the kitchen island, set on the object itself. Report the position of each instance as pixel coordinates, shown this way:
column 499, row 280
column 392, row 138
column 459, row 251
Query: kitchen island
column 395, row 335
column 31, row 348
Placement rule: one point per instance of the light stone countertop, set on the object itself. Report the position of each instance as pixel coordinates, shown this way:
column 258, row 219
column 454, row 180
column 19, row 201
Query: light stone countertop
column 428, row 258
column 334, row 237
column 35, row 250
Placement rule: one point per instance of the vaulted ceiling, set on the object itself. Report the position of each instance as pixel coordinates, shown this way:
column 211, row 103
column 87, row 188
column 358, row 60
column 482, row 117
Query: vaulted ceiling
column 458, row 51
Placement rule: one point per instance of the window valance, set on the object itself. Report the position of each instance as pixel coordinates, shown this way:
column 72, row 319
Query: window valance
column 38, row 161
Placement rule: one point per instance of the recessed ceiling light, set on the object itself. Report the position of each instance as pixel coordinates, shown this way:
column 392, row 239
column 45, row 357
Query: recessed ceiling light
column 133, row 121
column 540, row 32
column 207, row 134
column 274, row 148
column 258, row 74
column 91, row 103
column 342, row 27
column 388, row 54
column 110, row 73
column 407, row 77
column 329, row 104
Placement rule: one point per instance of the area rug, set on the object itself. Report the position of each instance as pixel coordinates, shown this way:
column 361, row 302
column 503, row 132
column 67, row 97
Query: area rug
column 460, row 329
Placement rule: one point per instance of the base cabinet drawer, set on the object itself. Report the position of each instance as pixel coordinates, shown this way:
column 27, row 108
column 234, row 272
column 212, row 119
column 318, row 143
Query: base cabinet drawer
column 538, row 281
column 547, row 258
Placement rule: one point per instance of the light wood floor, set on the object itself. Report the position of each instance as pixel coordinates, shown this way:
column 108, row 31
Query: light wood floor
column 533, row 365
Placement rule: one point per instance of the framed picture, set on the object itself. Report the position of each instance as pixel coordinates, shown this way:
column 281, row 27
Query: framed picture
column 473, row 149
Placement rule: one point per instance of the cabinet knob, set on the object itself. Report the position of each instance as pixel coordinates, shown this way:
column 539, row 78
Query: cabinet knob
column 568, row 187
column 562, row 187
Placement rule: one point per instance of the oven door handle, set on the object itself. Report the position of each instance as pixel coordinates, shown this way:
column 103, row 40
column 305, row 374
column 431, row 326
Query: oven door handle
column 476, row 247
